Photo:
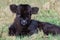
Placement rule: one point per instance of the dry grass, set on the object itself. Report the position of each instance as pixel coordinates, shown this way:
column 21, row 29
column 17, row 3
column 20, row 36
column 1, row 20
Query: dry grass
column 49, row 12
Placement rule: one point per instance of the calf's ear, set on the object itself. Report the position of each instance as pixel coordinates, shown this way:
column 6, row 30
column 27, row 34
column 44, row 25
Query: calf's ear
column 34, row 10
column 13, row 8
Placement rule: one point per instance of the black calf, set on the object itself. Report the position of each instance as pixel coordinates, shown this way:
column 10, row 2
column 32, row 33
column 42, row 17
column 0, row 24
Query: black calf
column 24, row 25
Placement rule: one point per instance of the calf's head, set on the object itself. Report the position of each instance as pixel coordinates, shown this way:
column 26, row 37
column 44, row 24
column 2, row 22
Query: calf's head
column 23, row 12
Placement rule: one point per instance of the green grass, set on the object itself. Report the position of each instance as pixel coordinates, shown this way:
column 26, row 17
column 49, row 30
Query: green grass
column 7, row 18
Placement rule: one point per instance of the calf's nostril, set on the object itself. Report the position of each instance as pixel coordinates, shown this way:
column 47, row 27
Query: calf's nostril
column 23, row 22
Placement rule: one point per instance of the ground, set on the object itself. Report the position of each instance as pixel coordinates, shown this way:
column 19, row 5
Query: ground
column 49, row 11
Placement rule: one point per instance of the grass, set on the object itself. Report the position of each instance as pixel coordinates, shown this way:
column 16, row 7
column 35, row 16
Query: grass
column 7, row 18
